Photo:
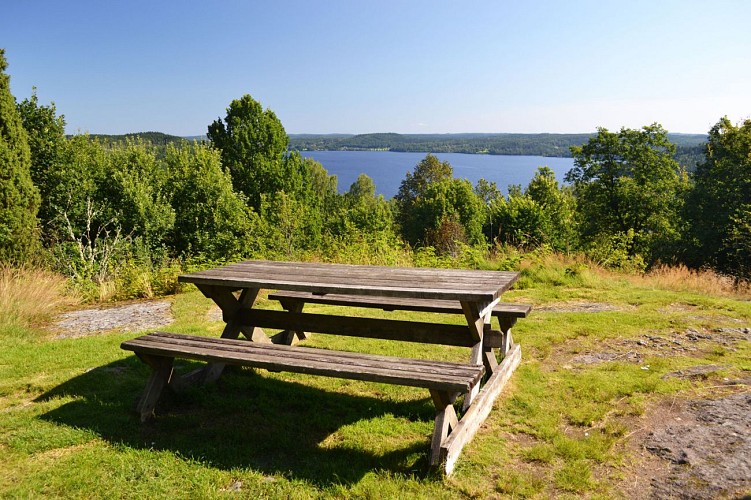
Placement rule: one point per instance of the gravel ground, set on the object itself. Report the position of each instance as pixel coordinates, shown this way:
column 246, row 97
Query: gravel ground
column 134, row 317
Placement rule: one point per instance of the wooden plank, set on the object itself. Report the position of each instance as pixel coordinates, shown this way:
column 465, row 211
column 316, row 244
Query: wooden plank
column 323, row 272
column 479, row 411
column 354, row 289
column 395, row 303
column 176, row 343
column 365, row 373
column 442, row 375
column 408, row 331
column 425, row 281
column 255, row 352
column 360, row 280
column 357, row 271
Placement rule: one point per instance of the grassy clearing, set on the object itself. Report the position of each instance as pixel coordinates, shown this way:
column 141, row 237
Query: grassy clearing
column 560, row 429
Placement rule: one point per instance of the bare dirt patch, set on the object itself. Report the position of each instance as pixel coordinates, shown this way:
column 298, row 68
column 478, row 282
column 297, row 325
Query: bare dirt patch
column 137, row 316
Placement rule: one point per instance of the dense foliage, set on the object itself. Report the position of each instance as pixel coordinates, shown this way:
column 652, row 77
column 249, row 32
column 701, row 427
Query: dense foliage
column 127, row 210
column 719, row 208
column 19, row 198
column 629, row 188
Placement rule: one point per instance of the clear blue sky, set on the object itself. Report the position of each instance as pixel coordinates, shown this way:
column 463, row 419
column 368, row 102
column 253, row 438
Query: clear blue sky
column 384, row 66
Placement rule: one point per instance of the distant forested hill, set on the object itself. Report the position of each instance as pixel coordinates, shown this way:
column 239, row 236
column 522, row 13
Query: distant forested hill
column 689, row 145
column 155, row 138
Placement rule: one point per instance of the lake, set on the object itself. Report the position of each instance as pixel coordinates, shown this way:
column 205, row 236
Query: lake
column 388, row 169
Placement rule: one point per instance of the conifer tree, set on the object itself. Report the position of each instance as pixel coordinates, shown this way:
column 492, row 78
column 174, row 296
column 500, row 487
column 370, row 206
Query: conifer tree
column 19, row 198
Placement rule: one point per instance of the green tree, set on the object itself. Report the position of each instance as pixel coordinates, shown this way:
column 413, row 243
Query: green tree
column 253, row 144
column 448, row 212
column 629, row 183
column 46, row 132
column 211, row 219
column 73, row 189
column 520, row 221
column 364, row 212
column 719, row 205
column 558, row 207
column 429, row 171
column 134, row 193
column 19, row 198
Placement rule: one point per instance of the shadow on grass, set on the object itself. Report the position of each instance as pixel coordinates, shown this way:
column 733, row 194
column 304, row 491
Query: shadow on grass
column 243, row 420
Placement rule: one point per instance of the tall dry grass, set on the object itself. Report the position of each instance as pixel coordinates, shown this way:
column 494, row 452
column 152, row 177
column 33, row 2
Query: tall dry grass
column 28, row 296
column 682, row 279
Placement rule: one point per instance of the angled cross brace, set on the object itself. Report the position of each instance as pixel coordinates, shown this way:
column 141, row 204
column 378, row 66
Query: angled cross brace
column 455, row 434
column 290, row 337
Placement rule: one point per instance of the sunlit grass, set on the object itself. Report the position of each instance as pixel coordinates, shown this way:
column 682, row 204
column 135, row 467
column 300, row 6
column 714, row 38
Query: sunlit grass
column 559, row 429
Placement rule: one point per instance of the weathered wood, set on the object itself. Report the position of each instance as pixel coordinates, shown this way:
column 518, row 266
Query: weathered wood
column 395, row 303
column 506, row 323
column 161, row 373
column 180, row 341
column 445, row 420
column 477, row 325
column 409, row 331
column 489, row 360
column 230, row 307
column 439, row 375
column 290, row 337
column 479, row 411
column 481, row 286
column 475, row 294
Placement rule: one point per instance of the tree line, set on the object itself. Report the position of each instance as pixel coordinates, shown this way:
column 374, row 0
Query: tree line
column 688, row 146
column 96, row 209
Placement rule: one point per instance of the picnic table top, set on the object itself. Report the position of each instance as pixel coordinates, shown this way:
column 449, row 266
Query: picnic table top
column 323, row 278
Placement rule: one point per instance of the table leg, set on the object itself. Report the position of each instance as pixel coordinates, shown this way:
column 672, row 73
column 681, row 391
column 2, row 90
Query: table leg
column 478, row 319
column 445, row 421
column 290, row 337
column 161, row 375
column 508, row 341
column 230, row 307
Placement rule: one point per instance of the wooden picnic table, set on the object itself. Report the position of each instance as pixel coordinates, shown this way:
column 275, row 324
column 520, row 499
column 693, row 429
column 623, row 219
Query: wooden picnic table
column 235, row 289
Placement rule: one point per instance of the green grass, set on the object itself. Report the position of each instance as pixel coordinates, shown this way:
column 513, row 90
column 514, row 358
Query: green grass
column 67, row 427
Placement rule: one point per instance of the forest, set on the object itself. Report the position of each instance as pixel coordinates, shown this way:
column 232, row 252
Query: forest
column 122, row 217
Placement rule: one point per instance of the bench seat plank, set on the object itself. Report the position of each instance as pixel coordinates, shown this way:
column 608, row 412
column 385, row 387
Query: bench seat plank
column 397, row 303
column 438, row 375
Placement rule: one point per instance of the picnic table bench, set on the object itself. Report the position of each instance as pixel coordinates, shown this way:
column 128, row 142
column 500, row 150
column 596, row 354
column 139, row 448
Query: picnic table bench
column 235, row 288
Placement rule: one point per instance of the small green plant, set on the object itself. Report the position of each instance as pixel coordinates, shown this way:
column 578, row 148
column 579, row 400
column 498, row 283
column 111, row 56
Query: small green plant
column 575, row 476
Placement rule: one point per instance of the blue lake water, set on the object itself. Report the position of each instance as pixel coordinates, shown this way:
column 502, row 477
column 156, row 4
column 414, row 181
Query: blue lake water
column 388, row 169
